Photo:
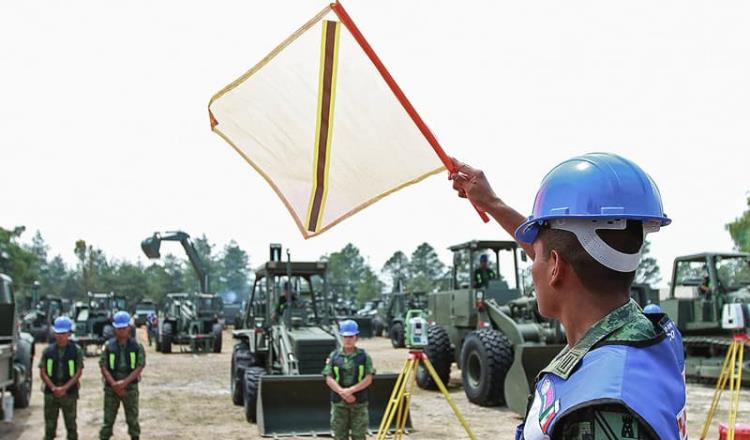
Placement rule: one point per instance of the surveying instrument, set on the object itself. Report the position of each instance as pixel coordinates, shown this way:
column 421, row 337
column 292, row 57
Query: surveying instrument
column 735, row 317
column 400, row 400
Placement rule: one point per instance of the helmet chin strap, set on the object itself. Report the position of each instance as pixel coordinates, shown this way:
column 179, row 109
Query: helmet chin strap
column 585, row 231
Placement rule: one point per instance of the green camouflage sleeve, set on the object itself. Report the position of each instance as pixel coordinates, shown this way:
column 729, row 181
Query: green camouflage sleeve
column 602, row 422
column 327, row 370
column 79, row 358
column 141, row 357
column 103, row 358
column 369, row 368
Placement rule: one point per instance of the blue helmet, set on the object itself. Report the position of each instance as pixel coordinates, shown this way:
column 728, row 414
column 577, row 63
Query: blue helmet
column 62, row 324
column 652, row 309
column 121, row 320
column 596, row 191
column 348, row 328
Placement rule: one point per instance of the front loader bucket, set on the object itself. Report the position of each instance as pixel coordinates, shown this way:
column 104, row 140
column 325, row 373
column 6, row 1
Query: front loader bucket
column 300, row 405
column 528, row 361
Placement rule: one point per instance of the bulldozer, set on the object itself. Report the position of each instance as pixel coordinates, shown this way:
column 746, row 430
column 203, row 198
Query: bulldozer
column 287, row 330
column 187, row 319
column 704, row 291
column 492, row 330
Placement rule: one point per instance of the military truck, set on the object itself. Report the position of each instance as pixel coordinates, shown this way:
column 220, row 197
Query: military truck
column 702, row 286
column 38, row 321
column 92, row 320
column 287, row 331
column 194, row 319
column 190, row 320
column 142, row 309
column 393, row 314
column 16, row 351
column 492, row 331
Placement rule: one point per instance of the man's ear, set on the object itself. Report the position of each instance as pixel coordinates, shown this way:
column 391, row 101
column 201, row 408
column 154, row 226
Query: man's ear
column 558, row 268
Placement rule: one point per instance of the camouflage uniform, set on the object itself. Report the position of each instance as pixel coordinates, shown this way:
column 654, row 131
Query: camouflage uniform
column 68, row 403
column 347, row 417
column 129, row 399
column 605, row 421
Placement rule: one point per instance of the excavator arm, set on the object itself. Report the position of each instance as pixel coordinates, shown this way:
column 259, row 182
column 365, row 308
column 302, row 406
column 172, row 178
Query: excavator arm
column 151, row 245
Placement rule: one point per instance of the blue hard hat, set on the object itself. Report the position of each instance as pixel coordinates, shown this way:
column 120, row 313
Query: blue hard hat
column 121, row 320
column 62, row 324
column 483, row 258
column 594, row 186
column 348, row 328
column 652, row 309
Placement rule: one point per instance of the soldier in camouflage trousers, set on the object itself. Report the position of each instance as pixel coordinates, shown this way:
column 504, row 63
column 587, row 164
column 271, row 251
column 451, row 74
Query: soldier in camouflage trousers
column 348, row 373
column 60, row 368
column 121, row 363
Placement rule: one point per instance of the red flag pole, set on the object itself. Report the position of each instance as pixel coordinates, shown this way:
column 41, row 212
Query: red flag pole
column 344, row 17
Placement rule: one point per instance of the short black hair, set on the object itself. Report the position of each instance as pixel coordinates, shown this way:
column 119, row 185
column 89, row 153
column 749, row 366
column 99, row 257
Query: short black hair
column 594, row 275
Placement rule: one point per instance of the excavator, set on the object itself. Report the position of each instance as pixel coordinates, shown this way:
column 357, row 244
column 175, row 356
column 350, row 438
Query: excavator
column 187, row 319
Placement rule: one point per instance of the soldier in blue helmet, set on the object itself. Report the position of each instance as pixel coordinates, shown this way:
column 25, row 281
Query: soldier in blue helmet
column 122, row 361
column 348, row 372
column 60, row 368
column 621, row 374
column 484, row 273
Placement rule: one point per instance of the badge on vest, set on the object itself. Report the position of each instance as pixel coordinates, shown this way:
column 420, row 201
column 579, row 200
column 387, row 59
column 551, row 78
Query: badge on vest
column 682, row 424
column 549, row 404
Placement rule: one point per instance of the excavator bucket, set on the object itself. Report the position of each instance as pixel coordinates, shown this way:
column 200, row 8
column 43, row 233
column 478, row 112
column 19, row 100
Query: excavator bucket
column 528, row 361
column 300, row 405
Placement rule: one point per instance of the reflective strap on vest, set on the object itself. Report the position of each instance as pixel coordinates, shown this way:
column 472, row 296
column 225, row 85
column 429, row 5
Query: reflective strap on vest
column 50, row 367
column 132, row 360
column 72, row 368
column 112, row 361
column 336, row 373
column 361, row 373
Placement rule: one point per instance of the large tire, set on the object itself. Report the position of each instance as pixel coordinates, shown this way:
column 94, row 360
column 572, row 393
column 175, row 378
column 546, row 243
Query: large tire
column 486, row 357
column 440, row 353
column 217, row 331
column 242, row 359
column 397, row 335
column 377, row 326
column 166, row 338
column 252, row 380
column 22, row 392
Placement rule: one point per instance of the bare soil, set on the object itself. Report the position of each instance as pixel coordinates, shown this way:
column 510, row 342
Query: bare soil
column 187, row 395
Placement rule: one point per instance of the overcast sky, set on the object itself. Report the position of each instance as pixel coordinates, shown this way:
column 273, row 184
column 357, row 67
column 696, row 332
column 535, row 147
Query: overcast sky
column 104, row 131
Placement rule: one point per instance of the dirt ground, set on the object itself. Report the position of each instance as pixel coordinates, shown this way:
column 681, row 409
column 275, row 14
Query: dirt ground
column 188, row 395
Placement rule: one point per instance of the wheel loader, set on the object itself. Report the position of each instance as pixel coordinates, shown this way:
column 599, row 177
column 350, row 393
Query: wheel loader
column 703, row 289
column 490, row 329
column 287, row 332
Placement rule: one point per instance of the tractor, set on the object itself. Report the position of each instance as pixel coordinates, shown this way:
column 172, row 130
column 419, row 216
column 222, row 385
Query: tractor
column 286, row 332
column 489, row 327
column 703, row 291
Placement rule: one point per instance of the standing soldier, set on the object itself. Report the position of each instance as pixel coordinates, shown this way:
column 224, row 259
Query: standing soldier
column 121, row 363
column 621, row 374
column 60, row 368
column 348, row 373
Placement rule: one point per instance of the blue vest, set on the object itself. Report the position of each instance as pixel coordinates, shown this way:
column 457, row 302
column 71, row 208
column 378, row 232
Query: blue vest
column 646, row 377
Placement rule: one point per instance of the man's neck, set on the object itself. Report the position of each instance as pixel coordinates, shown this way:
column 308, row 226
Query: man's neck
column 122, row 341
column 585, row 310
column 59, row 345
column 350, row 350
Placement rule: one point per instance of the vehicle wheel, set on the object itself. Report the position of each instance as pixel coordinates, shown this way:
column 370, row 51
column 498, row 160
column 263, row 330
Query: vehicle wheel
column 377, row 327
column 22, row 392
column 252, row 380
column 486, row 357
column 397, row 335
column 166, row 338
column 217, row 330
column 440, row 354
column 242, row 359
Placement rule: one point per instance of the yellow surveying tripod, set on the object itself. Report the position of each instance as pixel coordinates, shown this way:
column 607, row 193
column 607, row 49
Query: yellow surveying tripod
column 398, row 404
column 731, row 372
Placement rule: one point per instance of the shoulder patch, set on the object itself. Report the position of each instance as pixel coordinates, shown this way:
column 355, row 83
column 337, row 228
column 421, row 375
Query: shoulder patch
column 550, row 405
